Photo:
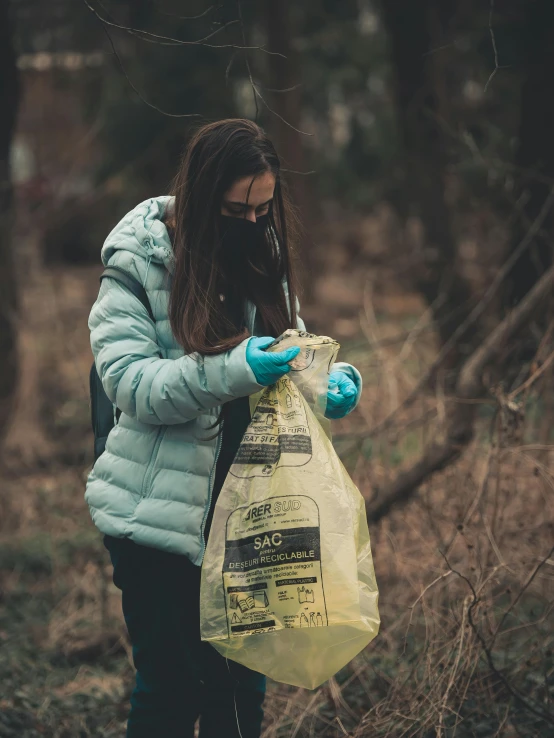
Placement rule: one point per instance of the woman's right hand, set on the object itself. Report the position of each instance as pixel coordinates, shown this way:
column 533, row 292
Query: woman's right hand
column 268, row 367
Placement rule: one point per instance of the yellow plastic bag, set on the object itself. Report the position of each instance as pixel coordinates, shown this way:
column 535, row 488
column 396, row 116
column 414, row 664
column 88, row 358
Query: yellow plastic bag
column 288, row 587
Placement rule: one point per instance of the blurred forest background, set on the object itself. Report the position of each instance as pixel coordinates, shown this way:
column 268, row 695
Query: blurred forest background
column 419, row 139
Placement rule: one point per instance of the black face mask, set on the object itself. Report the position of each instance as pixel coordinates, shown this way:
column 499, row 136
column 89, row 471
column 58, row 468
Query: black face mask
column 243, row 244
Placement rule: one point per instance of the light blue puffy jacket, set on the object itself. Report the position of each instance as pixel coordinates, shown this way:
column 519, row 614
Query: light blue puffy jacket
column 153, row 482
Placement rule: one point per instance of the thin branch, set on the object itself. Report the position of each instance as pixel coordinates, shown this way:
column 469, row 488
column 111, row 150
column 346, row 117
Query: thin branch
column 493, row 41
column 137, row 92
column 497, row 66
column 228, row 69
column 188, row 17
column 147, row 35
column 526, row 586
column 544, row 715
column 255, row 90
column 201, row 42
column 285, row 89
column 449, row 45
column 239, row 10
column 533, row 378
column 504, row 331
column 428, row 587
column 274, row 112
column 152, row 38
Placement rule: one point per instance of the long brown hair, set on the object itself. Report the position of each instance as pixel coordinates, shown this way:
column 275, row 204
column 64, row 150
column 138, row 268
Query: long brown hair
column 217, row 155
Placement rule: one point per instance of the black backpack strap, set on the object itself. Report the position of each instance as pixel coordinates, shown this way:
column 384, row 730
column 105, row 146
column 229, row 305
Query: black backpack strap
column 132, row 284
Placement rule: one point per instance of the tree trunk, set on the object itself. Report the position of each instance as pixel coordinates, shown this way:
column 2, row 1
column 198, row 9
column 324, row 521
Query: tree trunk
column 414, row 28
column 285, row 126
column 535, row 156
column 9, row 97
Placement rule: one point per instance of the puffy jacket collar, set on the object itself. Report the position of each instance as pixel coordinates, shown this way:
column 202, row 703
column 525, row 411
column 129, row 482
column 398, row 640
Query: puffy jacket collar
column 143, row 232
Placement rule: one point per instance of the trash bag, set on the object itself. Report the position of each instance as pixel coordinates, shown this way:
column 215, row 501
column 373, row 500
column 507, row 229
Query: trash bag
column 288, row 587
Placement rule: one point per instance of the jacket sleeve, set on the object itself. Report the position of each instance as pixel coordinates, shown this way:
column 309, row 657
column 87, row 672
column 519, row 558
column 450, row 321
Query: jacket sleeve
column 147, row 387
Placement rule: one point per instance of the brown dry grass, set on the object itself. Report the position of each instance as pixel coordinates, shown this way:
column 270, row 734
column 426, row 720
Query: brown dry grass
column 465, row 569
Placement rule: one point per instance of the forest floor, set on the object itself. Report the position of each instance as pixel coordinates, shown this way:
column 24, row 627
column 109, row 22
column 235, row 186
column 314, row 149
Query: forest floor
column 465, row 568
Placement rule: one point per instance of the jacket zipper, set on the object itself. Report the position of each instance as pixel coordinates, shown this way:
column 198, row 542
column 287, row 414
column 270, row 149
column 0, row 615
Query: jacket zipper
column 211, row 480
column 148, row 473
column 210, row 488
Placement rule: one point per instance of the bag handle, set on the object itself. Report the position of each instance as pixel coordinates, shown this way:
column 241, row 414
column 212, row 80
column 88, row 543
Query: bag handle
column 132, row 284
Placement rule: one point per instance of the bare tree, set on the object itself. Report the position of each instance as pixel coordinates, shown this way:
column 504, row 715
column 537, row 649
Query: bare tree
column 9, row 98
column 413, row 27
column 535, row 155
column 285, row 94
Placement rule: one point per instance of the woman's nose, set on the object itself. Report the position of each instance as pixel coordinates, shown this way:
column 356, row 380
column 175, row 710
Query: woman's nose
column 251, row 216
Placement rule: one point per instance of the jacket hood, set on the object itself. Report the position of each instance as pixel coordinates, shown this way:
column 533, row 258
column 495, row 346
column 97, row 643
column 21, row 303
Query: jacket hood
column 142, row 232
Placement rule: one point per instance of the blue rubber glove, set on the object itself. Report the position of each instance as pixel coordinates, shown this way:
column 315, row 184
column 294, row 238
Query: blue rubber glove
column 342, row 394
column 268, row 367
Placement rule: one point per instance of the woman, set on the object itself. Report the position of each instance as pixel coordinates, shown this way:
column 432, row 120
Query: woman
column 215, row 261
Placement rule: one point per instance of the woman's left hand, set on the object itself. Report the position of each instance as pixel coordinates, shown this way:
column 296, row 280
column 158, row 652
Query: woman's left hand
column 342, row 395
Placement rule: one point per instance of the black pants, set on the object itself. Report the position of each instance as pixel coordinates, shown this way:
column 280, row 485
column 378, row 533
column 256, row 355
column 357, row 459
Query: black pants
column 179, row 678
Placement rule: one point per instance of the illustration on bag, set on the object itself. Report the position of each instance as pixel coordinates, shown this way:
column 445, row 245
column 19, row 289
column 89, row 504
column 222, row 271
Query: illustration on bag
column 275, row 438
column 264, row 546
